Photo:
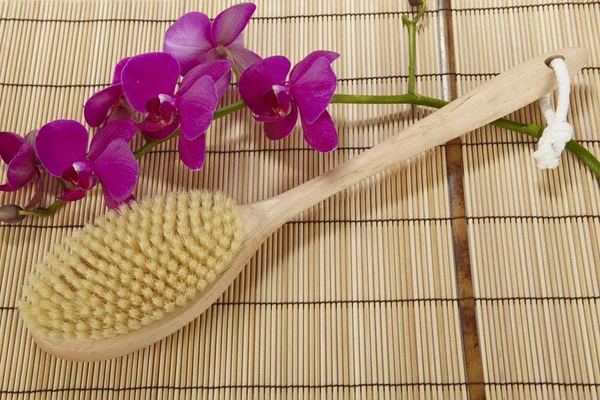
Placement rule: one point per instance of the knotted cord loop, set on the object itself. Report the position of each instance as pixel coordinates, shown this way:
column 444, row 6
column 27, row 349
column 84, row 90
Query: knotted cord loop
column 558, row 131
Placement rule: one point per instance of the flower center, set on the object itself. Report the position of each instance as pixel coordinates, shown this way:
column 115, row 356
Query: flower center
column 279, row 100
column 163, row 108
column 81, row 175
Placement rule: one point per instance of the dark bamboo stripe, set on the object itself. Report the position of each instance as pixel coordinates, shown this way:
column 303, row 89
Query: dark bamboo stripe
column 319, row 16
column 525, row 6
column 531, row 142
column 342, row 80
column 536, row 299
column 362, row 148
column 535, row 217
column 303, row 386
column 269, row 18
column 372, row 221
column 460, row 238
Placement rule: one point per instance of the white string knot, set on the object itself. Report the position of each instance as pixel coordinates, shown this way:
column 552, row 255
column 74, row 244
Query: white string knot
column 558, row 131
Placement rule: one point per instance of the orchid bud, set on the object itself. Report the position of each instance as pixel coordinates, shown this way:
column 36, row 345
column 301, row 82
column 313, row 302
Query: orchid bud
column 10, row 214
column 415, row 3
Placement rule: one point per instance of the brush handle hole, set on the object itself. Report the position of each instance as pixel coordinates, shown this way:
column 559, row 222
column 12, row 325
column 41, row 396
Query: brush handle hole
column 548, row 60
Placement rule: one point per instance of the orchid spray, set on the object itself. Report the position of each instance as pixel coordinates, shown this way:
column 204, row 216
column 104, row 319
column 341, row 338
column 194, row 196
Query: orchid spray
column 144, row 99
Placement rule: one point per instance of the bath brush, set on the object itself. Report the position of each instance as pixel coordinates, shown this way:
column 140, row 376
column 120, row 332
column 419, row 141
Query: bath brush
column 139, row 274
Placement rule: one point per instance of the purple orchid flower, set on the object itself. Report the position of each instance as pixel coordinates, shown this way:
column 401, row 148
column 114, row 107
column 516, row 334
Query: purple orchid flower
column 149, row 82
column 193, row 40
column 62, row 145
column 108, row 105
column 310, row 90
column 22, row 161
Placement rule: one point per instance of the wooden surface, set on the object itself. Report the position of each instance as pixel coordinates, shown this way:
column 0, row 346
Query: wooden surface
column 358, row 297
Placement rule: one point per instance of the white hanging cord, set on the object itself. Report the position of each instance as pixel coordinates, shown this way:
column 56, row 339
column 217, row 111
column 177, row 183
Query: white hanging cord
column 558, row 131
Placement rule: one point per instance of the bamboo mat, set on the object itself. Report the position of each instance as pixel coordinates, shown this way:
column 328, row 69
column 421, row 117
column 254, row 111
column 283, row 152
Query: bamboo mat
column 362, row 296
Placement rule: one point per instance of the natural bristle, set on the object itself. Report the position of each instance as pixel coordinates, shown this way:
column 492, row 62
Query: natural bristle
column 130, row 268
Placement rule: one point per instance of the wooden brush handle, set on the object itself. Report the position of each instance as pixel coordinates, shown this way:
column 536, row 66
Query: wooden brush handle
column 494, row 99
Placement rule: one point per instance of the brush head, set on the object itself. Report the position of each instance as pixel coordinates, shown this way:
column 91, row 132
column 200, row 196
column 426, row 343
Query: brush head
column 131, row 267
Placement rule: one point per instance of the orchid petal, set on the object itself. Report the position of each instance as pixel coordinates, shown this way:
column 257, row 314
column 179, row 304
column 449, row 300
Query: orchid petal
column 230, row 23
column 153, row 106
column 222, row 84
column 283, row 98
column 22, row 167
column 120, row 111
column 197, row 107
column 243, row 58
column 121, row 129
column 192, row 152
column 10, row 144
column 314, row 90
column 238, row 42
column 30, row 137
column 303, row 66
column 60, row 143
column 167, row 109
column 321, row 135
column 87, row 179
column 117, row 169
column 189, row 39
column 217, row 70
column 281, row 129
column 70, row 175
column 112, row 203
column 260, row 78
column 212, row 55
column 148, row 75
column 119, row 69
column 72, row 194
column 98, row 106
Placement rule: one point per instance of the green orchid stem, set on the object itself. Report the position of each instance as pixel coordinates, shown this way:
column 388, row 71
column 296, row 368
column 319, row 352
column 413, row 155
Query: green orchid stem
column 44, row 212
column 150, row 144
column 411, row 25
column 236, row 72
column 221, row 112
column 526, row 129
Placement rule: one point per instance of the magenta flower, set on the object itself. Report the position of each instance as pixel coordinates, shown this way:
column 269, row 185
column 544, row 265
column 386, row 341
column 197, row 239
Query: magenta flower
column 193, row 40
column 149, row 82
column 22, row 161
column 108, row 105
column 62, row 145
column 310, row 90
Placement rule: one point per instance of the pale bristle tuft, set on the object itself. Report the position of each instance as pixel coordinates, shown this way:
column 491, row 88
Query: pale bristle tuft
column 132, row 266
